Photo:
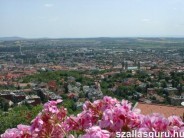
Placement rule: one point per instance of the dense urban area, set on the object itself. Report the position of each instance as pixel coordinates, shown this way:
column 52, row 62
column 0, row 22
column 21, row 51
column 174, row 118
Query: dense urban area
column 141, row 70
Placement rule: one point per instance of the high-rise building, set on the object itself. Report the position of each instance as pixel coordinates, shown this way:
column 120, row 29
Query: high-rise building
column 126, row 65
column 139, row 65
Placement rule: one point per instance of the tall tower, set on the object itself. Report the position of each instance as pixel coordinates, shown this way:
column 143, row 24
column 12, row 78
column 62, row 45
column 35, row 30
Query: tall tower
column 135, row 62
column 20, row 50
column 139, row 65
column 123, row 65
column 126, row 65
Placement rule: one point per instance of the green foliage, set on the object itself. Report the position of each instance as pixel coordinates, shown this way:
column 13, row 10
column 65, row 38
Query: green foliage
column 104, row 85
column 57, row 76
column 18, row 115
column 70, row 105
column 7, row 88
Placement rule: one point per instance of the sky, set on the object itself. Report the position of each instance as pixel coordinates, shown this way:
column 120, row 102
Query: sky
column 91, row 18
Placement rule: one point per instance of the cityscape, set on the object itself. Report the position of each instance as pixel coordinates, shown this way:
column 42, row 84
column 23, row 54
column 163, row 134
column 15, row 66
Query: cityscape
column 92, row 69
column 151, row 74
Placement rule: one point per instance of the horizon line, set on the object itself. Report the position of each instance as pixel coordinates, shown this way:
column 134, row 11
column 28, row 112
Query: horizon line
column 20, row 37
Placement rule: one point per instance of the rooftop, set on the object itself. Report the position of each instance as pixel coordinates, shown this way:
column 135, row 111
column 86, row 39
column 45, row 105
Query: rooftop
column 162, row 109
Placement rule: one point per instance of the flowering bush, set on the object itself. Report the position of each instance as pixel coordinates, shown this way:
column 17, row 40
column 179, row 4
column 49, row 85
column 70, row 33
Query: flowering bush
column 100, row 119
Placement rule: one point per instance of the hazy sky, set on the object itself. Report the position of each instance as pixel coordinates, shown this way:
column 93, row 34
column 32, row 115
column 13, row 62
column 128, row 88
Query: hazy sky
column 91, row 18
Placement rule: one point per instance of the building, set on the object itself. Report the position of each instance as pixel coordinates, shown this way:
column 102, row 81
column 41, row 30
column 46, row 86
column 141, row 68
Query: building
column 177, row 100
column 166, row 110
column 171, row 91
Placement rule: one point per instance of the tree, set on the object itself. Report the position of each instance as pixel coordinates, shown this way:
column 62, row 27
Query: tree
column 4, row 105
column 164, row 84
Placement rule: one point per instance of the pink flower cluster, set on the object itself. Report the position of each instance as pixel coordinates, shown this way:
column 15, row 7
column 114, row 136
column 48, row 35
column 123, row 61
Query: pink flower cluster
column 100, row 119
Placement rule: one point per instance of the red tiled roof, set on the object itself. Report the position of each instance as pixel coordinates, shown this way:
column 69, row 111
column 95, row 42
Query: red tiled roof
column 166, row 110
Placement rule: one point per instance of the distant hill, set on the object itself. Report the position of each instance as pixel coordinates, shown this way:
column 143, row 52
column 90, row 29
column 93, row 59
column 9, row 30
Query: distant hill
column 108, row 42
column 10, row 38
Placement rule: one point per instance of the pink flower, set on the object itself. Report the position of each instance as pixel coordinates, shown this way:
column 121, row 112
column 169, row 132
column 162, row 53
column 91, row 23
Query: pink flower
column 99, row 106
column 100, row 119
column 20, row 131
column 96, row 132
column 23, row 128
column 62, row 113
column 120, row 118
column 156, row 122
column 51, row 106
column 11, row 133
column 175, row 121
column 83, row 121
column 126, row 105
column 37, row 124
column 50, row 123
column 176, row 125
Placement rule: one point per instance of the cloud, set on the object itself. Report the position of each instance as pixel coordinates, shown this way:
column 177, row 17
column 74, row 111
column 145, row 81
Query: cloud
column 48, row 5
